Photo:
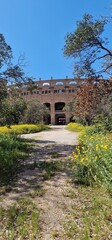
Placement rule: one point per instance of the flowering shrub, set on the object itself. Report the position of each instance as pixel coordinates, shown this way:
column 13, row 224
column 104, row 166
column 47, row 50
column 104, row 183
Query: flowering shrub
column 75, row 127
column 93, row 159
column 23, row 128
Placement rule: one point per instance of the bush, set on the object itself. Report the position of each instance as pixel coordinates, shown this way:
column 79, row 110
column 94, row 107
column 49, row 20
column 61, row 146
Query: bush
column 98, row 128
column 75, row 127
column 105, row 120
column 12, row 110
column 35, row 112
column 93, row 159
column 24, row 128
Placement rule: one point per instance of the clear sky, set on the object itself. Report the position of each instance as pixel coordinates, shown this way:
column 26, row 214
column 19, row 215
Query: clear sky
column 37, row 29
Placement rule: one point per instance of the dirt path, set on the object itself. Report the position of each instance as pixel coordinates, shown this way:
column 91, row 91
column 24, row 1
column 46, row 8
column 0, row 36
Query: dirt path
column 46, row 180
column 57, row 135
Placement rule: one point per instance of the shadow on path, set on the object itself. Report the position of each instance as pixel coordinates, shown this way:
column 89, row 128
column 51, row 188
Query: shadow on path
column 47, row 159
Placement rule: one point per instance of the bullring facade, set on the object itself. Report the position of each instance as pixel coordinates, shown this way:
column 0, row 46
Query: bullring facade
column 54, row 94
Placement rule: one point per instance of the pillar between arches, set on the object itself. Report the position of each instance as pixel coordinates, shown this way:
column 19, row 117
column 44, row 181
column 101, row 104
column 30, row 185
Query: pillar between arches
column 52, row 113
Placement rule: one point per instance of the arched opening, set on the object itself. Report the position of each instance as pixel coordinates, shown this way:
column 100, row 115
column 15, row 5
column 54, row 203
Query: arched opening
column 72, row 82
column 59, row 83
column 60, row 119
column 59, row 106
column 46, row 84
column 48, row 105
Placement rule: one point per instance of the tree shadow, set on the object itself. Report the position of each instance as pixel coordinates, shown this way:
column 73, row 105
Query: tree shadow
column 46, row 161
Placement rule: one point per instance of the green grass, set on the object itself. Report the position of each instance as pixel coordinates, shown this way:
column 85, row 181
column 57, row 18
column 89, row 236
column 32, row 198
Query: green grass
column 48, row 169
column 91, row 214
column 20, row 221
column 38, row 191
column 12, row 150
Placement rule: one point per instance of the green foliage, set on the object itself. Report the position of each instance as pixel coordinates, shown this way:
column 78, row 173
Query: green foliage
column 12, row 110
column 12, row 149
column 23, row 128
column 15, row 110
column 88, row 46
column 90, row 214
column 98, row 128
column 20, row 221
column 103, row 120
column 93, row 159
column 35, row 112
column 5, row 51
column 3, row 91
column 75, row 127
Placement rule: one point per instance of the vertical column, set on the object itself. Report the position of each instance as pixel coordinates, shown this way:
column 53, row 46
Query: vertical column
column 67, row 117
column 52, row 113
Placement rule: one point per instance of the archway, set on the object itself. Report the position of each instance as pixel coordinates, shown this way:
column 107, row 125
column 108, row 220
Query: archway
column 48, row 105
column 59, row 106
column 60, row 119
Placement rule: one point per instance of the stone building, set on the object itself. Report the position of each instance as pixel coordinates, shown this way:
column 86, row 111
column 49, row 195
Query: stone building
column 54, row 94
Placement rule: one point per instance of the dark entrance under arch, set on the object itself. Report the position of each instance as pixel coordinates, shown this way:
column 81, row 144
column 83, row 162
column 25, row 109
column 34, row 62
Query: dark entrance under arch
column 60, row 119
column 47, row 105
column 59, row 106
column 47, row 119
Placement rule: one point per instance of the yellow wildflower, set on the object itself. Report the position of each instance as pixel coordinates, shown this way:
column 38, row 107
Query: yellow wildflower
column 96, row 146
column 104, row 147
column 82, row 160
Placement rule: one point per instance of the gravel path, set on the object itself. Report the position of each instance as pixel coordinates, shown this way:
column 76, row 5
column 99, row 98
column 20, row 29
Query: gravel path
column 51, row 147
column 57, row 135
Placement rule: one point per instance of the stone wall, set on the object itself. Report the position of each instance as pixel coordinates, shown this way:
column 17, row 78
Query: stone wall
column 54, row 94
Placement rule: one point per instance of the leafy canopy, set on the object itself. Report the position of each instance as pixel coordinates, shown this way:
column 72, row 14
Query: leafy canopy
column 88, row 46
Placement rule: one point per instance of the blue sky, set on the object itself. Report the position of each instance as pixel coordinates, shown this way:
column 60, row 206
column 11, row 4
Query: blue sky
column 37, row 29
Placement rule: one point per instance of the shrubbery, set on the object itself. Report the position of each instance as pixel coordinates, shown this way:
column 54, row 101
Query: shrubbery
column 24, row 128
column 75, row 127
column 92, row 161
column 35, row 112
column 18, row 111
